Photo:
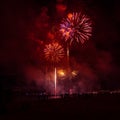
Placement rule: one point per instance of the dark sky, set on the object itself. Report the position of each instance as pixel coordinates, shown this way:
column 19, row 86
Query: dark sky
column 18, row 19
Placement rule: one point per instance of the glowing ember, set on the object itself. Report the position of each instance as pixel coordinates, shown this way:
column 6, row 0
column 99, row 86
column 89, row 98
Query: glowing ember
column 74, row 73
column 61, row 73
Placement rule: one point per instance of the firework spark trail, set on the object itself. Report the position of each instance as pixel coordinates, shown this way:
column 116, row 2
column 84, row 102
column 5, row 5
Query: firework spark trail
column 55, row 80
column 54, row 52
column 76, row 27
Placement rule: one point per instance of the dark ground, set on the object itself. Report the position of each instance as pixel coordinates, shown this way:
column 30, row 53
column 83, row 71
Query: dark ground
column 98, row 106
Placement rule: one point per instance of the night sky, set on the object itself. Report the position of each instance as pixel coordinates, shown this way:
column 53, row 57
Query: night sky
column 21, row 56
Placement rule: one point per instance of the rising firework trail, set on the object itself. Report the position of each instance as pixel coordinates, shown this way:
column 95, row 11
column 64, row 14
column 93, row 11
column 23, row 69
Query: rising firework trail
column 55, row 80
column 54, row 53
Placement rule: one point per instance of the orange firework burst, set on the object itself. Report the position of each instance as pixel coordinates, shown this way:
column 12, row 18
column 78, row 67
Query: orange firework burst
column 76, row 26
column 54, row 52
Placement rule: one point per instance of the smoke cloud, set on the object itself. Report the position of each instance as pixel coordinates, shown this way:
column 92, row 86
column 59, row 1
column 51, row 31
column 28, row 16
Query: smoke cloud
column 26, row 28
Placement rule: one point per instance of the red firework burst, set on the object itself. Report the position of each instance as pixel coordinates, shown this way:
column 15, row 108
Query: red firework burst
column 54, row 52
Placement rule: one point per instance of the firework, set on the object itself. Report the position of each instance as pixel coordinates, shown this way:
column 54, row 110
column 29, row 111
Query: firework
column 55, row 80
column 54, row 52
column 76, row 26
